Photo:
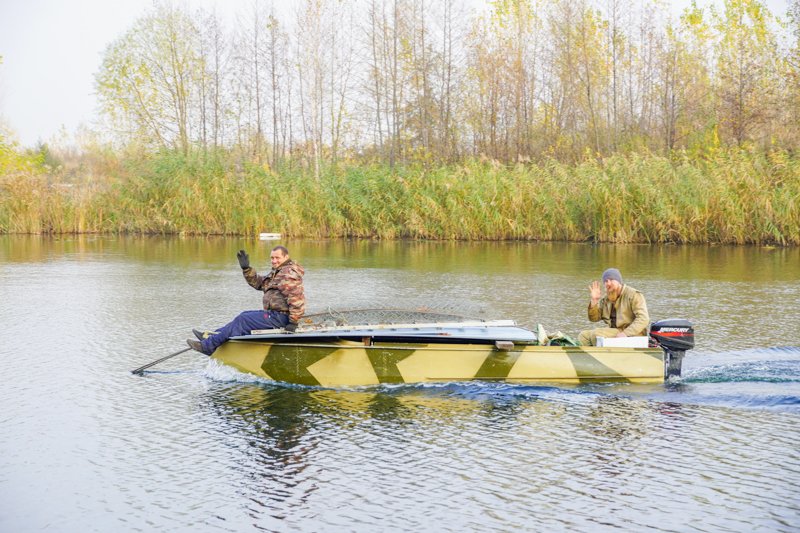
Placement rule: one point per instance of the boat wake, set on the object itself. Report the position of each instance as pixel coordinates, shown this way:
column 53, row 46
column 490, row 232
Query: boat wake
column 762, row 378
column 769, row 365
column 215, row 371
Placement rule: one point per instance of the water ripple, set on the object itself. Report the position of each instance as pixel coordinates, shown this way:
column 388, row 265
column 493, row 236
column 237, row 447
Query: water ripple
column 192, row 445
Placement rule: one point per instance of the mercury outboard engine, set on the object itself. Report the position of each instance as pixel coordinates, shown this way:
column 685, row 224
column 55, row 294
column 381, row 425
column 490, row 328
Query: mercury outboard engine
column 674, row 336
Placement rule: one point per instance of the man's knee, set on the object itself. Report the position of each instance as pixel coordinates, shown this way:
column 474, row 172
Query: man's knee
column 242, row 324
column 244, row 315
column 585, row 338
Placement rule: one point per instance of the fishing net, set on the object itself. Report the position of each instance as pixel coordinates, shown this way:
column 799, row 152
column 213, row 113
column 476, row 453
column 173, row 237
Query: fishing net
column 369, row 317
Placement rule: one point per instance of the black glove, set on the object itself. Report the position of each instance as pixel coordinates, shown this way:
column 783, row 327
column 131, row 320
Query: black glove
column 244, row 259
column 290, row 327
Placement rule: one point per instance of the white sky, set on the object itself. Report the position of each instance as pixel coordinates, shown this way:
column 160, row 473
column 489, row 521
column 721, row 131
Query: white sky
column 51, row 50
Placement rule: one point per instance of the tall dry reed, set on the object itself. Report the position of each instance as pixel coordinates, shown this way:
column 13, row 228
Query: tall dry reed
column 735, row 197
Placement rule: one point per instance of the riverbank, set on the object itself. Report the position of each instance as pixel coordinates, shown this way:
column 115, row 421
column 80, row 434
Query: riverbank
column 732, row 197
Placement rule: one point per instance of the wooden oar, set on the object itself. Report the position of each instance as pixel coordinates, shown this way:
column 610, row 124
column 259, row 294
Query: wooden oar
column 148, row 365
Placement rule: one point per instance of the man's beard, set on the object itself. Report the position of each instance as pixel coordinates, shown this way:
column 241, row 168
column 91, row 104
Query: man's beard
column 613, row 294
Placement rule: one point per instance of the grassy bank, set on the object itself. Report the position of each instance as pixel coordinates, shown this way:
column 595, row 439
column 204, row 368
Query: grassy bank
column 734, row 197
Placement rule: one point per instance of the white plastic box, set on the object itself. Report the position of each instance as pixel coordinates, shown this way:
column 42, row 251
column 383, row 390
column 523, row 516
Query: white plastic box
column 622, row 342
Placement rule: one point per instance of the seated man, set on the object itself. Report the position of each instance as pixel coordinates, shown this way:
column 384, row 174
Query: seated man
column 284, row 301
column 623, row 309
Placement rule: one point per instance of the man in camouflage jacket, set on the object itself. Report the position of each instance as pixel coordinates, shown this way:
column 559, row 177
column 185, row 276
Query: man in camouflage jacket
column 623, row 309
column 284, row 301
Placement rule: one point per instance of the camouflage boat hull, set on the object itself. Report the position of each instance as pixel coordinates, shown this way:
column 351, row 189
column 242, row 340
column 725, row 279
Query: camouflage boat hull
column 349, row 363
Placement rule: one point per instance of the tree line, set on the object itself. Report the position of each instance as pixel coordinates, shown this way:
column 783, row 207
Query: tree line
column 399, row 81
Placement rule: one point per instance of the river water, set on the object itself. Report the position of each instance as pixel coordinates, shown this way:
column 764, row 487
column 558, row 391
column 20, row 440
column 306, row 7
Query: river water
column 192, row 446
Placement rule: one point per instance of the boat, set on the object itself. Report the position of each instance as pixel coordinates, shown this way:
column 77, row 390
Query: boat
column 378, row 346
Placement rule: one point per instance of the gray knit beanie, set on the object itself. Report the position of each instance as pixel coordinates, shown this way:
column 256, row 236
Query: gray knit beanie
column 612, row 273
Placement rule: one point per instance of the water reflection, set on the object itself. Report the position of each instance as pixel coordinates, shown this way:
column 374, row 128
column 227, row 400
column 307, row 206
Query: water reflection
column 589, row 445
column 645, row 262
column 272, row 443
column 531, row 283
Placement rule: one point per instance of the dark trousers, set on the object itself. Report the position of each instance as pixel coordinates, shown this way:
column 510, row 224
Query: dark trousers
column 243, row 324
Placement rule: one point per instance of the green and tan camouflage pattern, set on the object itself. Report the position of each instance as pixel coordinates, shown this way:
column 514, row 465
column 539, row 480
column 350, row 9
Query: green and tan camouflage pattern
column 349, row 363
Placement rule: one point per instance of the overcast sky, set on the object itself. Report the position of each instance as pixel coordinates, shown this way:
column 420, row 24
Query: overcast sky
column 52, row 48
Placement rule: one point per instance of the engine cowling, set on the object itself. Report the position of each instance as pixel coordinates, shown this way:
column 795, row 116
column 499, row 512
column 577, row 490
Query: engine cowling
column 674, row 336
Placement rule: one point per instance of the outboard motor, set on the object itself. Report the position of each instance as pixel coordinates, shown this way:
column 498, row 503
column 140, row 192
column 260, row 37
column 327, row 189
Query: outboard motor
column 674, row 336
